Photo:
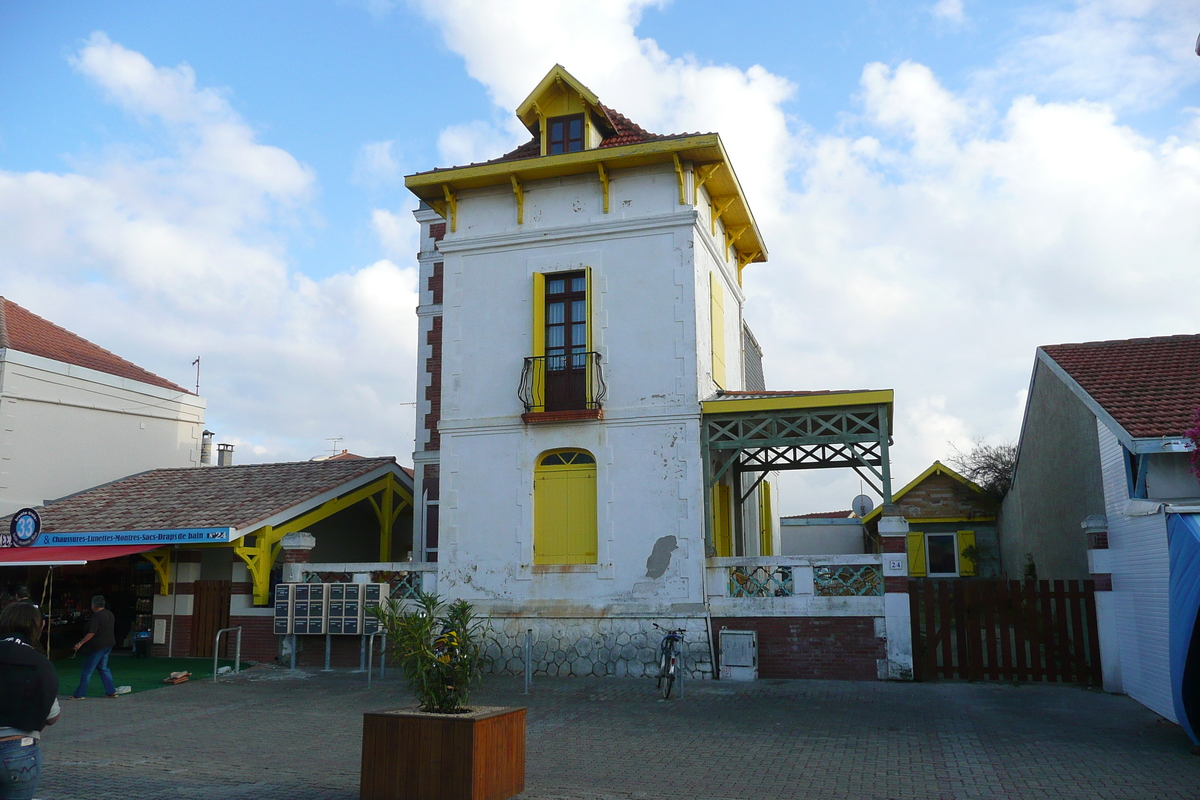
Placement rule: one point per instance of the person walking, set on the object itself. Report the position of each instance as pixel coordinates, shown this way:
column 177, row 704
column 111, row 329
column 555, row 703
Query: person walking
column 27, row 704
column 96, row 645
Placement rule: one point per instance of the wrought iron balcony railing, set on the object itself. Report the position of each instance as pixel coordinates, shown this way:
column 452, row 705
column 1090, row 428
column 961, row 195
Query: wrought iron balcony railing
column 562, row 383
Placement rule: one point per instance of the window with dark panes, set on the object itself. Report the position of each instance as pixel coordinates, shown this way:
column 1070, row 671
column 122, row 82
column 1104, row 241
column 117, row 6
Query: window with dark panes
column 942, row 550
column 566, row 341
column 565, row 135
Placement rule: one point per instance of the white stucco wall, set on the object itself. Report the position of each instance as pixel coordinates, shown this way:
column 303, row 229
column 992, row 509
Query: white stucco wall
column 650, row 260
column 64, row 429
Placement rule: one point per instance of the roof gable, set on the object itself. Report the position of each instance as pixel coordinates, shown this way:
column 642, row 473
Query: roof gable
column 558, row 94
column 24, row 331
column 936, row 470
column 1150, row 387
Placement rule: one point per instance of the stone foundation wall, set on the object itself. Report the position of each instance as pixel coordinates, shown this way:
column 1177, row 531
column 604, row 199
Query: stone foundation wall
column 618, row 646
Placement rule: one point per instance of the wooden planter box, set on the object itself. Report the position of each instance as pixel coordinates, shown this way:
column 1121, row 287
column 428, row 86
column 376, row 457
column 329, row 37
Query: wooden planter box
column 411, row 755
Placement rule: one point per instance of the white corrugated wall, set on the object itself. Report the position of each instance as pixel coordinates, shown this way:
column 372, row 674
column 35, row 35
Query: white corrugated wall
column 1141, row 575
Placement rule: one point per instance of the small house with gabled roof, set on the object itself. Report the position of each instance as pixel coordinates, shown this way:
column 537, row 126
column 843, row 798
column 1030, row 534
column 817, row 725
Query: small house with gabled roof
column 1102, row 489
column 76, row 415
column 951, row 526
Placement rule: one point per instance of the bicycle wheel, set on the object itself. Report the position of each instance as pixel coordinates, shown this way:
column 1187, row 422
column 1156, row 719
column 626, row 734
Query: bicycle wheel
column 668, row 678
column 662, row 668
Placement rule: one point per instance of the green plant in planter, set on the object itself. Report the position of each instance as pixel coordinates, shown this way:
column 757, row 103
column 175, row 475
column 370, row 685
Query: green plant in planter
column 439, row 647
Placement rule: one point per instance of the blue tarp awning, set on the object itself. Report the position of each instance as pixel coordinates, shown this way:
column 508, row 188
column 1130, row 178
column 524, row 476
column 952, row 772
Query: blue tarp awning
column 1183, row 531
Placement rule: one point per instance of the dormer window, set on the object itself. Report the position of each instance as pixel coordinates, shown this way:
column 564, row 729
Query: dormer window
column 565, row 135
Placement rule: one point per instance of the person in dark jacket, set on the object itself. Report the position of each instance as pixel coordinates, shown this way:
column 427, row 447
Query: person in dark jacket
column 96, row 644
column 27, row 703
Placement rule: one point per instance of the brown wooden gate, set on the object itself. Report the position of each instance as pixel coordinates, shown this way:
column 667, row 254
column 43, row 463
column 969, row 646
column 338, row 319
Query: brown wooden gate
column 1005, row 630
column 210, row 613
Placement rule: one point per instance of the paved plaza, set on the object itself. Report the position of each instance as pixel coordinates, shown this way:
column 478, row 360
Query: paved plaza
column 271, row 733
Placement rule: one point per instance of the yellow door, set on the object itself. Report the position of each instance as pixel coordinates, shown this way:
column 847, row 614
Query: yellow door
column 722, row 524
column 564, row 509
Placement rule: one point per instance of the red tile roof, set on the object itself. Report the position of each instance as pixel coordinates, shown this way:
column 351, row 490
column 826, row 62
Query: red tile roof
column 1151, row 387
column 21, row 329
column 202, row 497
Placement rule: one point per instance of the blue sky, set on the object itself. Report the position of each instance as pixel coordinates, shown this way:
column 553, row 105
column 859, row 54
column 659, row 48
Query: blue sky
column 943, row 186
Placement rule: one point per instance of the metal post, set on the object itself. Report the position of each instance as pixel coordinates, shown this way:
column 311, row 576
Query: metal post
column 362, row 652
column 217, row 649
column 528, row 659
column 328, row 648
column 382, row 654
column 682, row 663
column 370, row 656
column 293, row 638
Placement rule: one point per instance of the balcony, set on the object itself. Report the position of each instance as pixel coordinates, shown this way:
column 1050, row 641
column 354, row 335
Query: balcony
column 561, row 388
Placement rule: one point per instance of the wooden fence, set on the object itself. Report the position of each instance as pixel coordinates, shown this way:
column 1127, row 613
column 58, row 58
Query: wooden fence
column 1005, row 630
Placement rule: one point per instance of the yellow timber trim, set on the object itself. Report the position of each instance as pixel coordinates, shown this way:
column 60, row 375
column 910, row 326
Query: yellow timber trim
column 719, row 207
column 867, row 398
column 161, row 560
column 701, row 176
column 679, row 174
column 260, row 556
column 701, row 150
column 603, row 182
column 519, row 191
column 451, row 206
column 935, row 467
column 528, row 111
column 742, row 260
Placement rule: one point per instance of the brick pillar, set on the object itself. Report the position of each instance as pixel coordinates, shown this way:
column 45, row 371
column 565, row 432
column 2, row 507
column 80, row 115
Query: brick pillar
column 297, row 550
column 1095, row 528
column 893, row 534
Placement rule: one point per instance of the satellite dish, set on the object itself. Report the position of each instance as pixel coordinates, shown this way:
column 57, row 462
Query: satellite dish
column 862, row 505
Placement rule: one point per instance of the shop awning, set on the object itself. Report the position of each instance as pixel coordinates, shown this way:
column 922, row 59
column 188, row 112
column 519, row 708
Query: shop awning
column 63, row 556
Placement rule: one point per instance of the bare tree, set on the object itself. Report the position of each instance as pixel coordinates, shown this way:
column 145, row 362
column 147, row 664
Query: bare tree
column 990, row 466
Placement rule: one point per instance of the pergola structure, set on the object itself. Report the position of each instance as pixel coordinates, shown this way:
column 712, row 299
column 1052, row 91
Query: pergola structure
column 761, row 432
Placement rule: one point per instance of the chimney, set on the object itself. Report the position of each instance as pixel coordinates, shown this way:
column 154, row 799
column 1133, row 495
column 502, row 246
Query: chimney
column 206, row 448
column 224, row 455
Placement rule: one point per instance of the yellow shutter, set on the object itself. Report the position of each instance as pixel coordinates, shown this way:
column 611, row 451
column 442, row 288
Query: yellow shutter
column 966, row 565
column 564, row 514
column 717, row 307
column 916, row 554
column 765, row 521
column 538, row 377
column 722, row 532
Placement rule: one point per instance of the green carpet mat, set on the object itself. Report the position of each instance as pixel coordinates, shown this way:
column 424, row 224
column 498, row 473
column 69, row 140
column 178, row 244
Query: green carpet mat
column 141, row 674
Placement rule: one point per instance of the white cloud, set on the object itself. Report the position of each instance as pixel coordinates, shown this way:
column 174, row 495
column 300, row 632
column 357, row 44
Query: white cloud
column 377, row 165
column 472, row 142
column 1133, row 54
column 931, row 243
column 166, row 255
column 949, row 11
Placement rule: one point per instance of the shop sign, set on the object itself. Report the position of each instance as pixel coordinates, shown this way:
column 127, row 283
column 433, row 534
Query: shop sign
column 23, row 530
column 155, row 537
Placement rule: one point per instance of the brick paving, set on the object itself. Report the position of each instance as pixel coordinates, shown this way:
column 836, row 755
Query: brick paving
column 270, row 733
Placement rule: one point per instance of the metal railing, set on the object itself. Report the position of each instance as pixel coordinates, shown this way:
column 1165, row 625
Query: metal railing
column 572, row 382
column 784, row 577
column 237, row 658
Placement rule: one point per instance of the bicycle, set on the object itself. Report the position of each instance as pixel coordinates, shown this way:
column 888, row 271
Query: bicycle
column 668, row 658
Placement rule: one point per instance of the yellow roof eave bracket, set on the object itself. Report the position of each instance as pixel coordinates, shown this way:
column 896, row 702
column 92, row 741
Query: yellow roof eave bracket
column 451, row 206
column 679, row 174
column 519, row 191
column 603, row 183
